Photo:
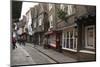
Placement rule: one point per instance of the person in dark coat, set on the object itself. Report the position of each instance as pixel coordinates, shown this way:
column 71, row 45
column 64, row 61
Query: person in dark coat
column 23, row 38
column 14, row 43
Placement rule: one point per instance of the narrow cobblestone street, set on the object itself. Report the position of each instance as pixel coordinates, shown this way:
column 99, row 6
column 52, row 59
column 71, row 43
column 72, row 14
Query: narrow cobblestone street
column 26, row 55
column 20, row 56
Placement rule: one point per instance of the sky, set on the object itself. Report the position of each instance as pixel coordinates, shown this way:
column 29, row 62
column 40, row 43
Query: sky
column 26, row 6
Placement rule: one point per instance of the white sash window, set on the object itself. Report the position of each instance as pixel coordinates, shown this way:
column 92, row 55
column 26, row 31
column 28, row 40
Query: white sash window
column 51, row 21
column 69, row 40
column 62, row 6
column 50, row 6
column 70, row 9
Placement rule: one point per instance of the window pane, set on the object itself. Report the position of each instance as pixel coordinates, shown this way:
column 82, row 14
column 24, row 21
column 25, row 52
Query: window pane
column 62, row 6
column 50, row 6
column 67, row 34
column 67, row 44
column 69, row 9
column 90, row 37
column 71, row 43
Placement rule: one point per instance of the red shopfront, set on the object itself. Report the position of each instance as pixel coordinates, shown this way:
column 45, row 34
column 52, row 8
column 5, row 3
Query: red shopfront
column 54, row 39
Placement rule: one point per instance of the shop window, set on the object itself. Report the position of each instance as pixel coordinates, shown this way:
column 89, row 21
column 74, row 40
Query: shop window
column 90, row 37
column 52, row 40
column 69, row 40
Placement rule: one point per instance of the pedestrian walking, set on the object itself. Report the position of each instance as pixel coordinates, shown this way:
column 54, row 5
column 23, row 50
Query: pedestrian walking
column 23, row 39
column 14, row 43
column 45, row 42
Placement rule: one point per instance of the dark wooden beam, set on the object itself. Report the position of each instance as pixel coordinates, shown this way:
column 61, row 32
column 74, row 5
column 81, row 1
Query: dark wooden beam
column 16, row 9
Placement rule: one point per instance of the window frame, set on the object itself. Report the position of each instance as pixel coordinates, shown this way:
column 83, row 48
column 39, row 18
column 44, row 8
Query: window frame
column 51, row 21
column 62, row 7
column 70, row 9
column 50, row 6
column 86, row 40
column 66, row 35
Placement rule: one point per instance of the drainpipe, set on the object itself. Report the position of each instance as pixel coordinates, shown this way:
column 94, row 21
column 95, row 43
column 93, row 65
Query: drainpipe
column 79, row 38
